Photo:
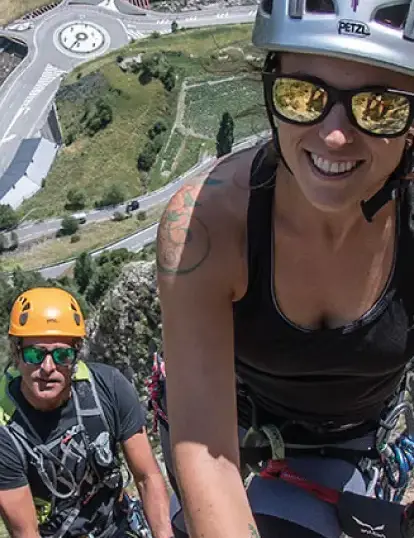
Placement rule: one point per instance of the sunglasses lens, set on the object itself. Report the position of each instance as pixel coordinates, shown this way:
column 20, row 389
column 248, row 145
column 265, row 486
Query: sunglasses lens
column 381, row 113
column 297, row 100
column 64, row 355
column 33, row 355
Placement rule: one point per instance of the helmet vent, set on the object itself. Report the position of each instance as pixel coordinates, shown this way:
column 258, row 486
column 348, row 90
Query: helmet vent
column 320, row 6
column 26, row 307
column 73, row 307
column 392, row 16
column 23, row 318
column 267, row 6
column 77, row 319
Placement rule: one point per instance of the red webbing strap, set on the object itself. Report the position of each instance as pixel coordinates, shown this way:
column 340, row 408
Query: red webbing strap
column 153, row 384
column 280, row 469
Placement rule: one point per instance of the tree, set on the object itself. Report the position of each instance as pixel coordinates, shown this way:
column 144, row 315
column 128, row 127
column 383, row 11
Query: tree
column 108, row 266
column 96, row 116
column 174, row 27
column 146, row 158
column 3, row 243
column 168, row 79
column 69, row 226
column 14, row 240
column 225, row 135
column 158, row 128
column 118, row 216
column 83, row 271
column 112, row 197
column 8, row 217
column 24, row 280
column 76, row 199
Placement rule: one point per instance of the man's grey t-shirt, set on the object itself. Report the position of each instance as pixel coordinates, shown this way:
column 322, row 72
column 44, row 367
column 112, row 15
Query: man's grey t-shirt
column 123, row 412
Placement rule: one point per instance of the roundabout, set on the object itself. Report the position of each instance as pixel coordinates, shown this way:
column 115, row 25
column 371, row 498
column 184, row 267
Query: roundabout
column 81, row 39
column 60, row 40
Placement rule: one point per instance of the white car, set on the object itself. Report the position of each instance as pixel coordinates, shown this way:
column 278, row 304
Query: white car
column 20, row 26
column 80, row 217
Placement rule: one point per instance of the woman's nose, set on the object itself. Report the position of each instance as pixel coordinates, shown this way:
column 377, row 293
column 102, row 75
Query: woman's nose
column 336, row 130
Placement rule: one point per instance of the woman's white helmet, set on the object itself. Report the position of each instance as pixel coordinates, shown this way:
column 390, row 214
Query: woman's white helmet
column 378, row 32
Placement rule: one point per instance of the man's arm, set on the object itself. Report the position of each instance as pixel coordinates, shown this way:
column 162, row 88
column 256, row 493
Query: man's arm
column 150, row 483
column 18, row 512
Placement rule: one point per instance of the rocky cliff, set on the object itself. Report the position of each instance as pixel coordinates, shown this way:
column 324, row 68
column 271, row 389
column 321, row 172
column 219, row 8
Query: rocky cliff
column 127, row 325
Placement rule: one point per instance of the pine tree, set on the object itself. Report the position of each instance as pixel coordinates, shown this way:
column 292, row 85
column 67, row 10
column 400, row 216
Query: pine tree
column 225, row 135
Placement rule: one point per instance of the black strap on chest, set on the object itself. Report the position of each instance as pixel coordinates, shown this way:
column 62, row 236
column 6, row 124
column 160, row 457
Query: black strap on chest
column 72, row 467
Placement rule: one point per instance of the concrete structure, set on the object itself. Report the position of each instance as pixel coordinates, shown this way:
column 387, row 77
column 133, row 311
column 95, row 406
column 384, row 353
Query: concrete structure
column 27, row 171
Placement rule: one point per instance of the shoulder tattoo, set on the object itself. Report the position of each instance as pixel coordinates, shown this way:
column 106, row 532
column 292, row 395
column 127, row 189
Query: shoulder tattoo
column 183, row 238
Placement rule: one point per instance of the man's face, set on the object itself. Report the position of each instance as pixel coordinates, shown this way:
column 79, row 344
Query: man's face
column 45, row 385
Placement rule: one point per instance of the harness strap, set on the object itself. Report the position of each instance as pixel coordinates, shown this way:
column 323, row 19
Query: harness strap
column 37, row 454
column 52, row 469
column 251, row 455
column 154, row 385
column 19, row 449
column 280, row 469
column 359, row 516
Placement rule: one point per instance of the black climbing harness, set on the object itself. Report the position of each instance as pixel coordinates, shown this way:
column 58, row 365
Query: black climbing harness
column 72, row 467
column 387, row 464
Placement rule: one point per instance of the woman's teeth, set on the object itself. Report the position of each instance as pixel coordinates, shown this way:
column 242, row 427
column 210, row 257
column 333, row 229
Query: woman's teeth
column 332, row 167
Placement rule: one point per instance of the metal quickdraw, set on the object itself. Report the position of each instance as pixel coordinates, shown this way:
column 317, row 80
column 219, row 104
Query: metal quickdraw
column 396, row 455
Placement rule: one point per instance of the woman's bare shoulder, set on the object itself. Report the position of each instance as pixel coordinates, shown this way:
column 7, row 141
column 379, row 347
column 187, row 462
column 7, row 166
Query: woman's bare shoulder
column 206, row 218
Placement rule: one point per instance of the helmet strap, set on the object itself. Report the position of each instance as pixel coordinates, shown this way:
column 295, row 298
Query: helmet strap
column 398, row 181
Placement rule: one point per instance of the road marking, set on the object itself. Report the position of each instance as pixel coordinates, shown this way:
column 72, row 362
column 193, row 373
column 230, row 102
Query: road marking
column 49, row 75
column 253, row 12
column 163, row 21
column 190, row 19
column 6, row 139
column 108, row 4
column 22, row 67
column 134, row 34
column 222, row 15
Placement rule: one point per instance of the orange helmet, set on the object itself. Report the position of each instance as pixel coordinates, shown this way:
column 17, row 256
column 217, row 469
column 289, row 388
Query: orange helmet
column 46, row 312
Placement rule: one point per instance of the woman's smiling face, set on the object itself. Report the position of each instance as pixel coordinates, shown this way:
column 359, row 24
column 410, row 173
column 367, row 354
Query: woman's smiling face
column 316, row 153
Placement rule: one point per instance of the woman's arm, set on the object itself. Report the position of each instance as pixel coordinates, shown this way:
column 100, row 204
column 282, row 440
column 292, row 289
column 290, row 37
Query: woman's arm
column 199, row 261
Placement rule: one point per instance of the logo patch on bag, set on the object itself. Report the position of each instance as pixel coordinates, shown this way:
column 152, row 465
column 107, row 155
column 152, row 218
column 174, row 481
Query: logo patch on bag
column 354, row 28
column 369, row 530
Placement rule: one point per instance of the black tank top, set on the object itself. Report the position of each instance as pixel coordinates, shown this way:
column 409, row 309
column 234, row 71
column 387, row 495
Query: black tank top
column 341, row 375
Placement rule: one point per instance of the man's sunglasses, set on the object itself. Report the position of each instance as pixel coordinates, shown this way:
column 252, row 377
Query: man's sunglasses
column 304, row 100
column 62, row 356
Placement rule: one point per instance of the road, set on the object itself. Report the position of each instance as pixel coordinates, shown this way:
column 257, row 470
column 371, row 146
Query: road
column 55, row 49
column 26, row 96
column 31, row 231
column 144, row 237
